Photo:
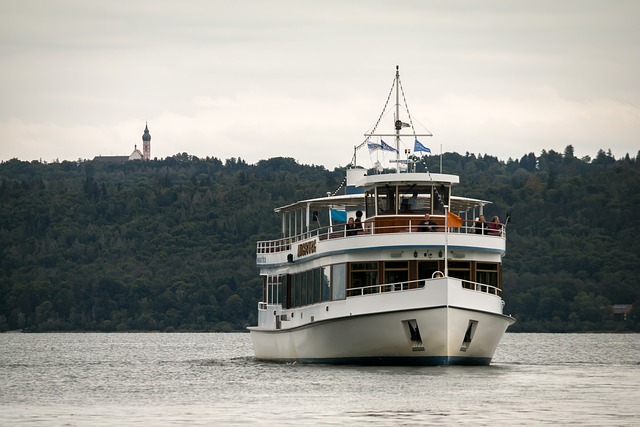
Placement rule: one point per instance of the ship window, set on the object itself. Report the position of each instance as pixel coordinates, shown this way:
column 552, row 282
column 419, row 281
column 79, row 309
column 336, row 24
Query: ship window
column 303, row 289
column 273, row 289
column 414, row 199
column 363, row 278
column 487, row 273
column 440, row 198
column 326, row 283
column 296, row 290
column 338, row 281
column 369, row 204
column 317, row 285
column 426, row 269
column 285, row 291
column 308, row 287
column 396, row 272
column 387, row 200
column 460, row 269
column 264, row 288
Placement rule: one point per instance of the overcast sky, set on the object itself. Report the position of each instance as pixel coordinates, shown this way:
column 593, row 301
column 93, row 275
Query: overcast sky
column 306, row 79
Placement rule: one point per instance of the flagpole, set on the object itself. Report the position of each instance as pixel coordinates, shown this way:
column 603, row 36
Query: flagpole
column 440, row 158
column 355, row 160
column 398, row 122
column 446, row 240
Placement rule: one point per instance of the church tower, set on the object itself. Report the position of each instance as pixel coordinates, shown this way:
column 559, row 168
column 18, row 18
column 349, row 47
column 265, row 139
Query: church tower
column 146, row 143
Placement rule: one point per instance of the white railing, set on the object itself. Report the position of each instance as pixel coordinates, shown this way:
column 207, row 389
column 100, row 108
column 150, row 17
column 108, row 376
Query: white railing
column 340, row 231
column 418, row 284
column 481, row 287
column 407, row 286
column 387, row 287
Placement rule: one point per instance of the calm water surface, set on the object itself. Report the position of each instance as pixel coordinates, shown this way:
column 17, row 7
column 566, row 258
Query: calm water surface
column 212, row 379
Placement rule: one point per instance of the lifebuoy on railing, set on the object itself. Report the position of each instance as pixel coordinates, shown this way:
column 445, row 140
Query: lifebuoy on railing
column 437, row 275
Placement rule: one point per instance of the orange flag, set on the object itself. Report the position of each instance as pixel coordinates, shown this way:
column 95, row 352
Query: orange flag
column 454, row 220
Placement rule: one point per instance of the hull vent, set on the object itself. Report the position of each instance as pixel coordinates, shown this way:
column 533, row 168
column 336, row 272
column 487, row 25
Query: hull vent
column 468, row 335
column 414, row 335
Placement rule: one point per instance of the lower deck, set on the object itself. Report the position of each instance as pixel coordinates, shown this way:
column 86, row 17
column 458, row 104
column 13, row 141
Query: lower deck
column 354, row 278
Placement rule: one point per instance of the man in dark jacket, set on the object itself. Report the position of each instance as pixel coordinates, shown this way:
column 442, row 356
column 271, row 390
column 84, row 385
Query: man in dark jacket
column 427, row 224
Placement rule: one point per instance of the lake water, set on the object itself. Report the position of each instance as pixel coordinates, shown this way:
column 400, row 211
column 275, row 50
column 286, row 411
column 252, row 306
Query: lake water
column 212, row 379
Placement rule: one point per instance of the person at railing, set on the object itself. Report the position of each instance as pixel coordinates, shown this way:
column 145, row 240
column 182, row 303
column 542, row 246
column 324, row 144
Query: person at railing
column 494, row 226
column 480, row 225
column 427, row 224
column 351, row 227
column 358, row 221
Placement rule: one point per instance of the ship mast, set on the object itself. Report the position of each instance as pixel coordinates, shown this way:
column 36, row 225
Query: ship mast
column 397, row 122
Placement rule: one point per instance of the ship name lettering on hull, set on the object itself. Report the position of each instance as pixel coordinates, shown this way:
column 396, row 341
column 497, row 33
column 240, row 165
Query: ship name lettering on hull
column 307, row 248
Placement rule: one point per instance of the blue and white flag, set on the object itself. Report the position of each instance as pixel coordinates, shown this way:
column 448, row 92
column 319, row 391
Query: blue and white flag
column 387, row 147
column 373, row 146
column 417, row 146
column 338, row 215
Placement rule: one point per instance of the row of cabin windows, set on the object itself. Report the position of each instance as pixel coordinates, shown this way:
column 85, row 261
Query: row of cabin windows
column 339, row 281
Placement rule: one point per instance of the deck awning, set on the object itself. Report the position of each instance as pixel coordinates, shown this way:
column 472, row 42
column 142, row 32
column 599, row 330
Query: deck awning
column 458, row 204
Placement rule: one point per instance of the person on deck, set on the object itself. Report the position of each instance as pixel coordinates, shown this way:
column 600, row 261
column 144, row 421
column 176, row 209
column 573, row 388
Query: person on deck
column 427, row 224
column 358, row 221
column 351, row 227
column 480, row 225
column 494, row 226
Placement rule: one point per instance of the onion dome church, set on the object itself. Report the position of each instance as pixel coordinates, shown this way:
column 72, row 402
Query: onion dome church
column 146, row 147
column 146, row 143
column 136, row 154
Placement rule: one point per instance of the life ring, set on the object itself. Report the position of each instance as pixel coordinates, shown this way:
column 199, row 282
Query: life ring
column 437, row 275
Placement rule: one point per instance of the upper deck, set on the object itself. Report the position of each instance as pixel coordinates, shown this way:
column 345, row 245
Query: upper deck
column 381, row 232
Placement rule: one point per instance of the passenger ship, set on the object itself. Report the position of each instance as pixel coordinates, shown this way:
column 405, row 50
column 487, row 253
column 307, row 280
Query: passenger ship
column 387, row 293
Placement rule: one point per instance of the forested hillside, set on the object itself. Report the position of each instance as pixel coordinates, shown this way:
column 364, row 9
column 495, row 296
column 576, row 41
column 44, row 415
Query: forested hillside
column 170, row 244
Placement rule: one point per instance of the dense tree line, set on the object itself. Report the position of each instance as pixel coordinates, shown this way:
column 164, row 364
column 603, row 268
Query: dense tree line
column 170, row 244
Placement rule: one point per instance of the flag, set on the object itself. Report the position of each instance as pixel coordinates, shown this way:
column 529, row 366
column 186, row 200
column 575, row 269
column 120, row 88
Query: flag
column 454, row 220
column 386, row 146
column 417, row 146
column 405, row 125
column 338, row 215
column 373, row 146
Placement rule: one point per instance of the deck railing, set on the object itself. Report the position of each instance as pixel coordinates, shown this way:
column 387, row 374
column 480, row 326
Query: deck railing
column 387, row 287
column 340, row 231
column 418, row 284
column 481, row 287
column 404, row 286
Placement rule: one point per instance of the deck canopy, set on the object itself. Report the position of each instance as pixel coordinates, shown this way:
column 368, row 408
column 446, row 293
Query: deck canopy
column 458, row 204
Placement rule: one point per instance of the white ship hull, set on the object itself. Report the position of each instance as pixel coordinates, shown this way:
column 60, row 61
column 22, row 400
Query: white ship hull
column 384, row 337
